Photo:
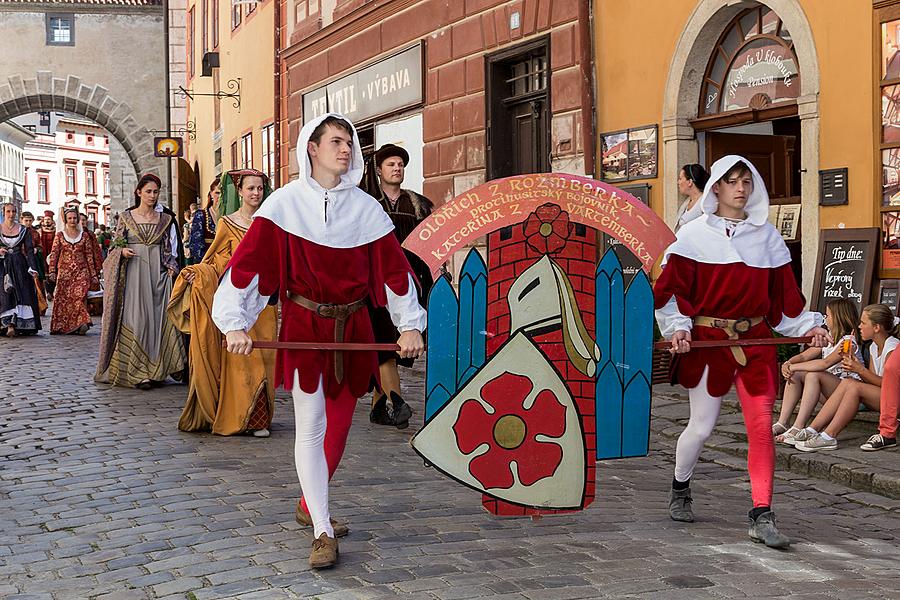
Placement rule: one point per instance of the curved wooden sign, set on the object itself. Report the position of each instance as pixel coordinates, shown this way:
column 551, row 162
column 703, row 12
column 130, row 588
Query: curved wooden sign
column 504, row 202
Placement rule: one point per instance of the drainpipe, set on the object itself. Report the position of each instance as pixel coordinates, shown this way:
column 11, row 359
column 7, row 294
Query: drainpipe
column 588, row 86
column 277, row 111
column 168, row 94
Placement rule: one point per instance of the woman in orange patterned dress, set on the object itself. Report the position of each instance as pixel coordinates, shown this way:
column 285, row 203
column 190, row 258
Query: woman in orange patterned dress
column 73, row 267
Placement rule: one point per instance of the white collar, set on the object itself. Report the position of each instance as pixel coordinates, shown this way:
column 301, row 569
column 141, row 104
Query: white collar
column 73, row 240
column 342, row 217
column 705, row 240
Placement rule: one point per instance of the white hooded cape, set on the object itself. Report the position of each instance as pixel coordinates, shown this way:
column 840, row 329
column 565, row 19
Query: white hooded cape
column 754, row 241
column 342, row 217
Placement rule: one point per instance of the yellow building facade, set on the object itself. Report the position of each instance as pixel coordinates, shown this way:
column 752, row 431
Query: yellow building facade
column 230, row 52
column 797, row 86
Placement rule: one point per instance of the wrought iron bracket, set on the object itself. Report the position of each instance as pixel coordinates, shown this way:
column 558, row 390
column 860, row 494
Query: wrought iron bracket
column 232, row 84
column 189, row 130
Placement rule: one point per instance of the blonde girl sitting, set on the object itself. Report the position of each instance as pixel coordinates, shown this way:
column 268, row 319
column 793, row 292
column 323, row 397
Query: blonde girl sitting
column 879, row 325
column 813, row 375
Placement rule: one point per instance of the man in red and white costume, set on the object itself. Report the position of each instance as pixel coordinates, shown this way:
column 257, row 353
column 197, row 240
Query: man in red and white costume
column 728, row 276
column 326, row 248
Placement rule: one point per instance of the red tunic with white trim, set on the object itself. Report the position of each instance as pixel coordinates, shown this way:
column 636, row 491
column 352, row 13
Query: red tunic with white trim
column 323, row 274
column 727, row 291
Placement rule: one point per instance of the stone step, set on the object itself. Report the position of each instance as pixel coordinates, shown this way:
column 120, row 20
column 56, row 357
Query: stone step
column 872, row 472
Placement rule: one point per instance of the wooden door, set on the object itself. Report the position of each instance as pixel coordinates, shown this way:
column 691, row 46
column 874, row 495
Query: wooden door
column 772, row 155
column 187, row 187
column 528, row 144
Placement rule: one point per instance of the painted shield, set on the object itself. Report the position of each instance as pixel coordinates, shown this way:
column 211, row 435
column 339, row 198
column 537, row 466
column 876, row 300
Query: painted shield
column 512, row 431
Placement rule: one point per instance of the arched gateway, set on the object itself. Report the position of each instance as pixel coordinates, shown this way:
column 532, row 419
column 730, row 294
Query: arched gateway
column 695, row 101
column 104, row 61
column 47, row 91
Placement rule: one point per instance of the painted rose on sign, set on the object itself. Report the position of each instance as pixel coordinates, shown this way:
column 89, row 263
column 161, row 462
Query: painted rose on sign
column 547, row 229
column 511, row 432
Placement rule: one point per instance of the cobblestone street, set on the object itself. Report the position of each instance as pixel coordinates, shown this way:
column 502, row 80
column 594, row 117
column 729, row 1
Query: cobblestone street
column 102, row 497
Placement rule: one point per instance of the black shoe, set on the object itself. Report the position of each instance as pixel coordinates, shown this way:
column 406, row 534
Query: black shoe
column 401, row 411
column 380, row 414
column 878, row 442
column 144, row 385
column 680, row 505
column 764, row 531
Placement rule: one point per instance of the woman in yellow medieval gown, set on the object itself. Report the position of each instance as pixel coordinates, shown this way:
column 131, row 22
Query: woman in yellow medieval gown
column 228, row 393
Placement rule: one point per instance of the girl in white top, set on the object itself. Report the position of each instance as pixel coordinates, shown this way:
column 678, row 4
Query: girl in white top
column 692, row 180
column 879, row 325
column 813, row 375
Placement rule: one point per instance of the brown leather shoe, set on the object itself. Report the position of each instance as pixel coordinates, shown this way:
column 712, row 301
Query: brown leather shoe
column 324, row 552
column 302, row 517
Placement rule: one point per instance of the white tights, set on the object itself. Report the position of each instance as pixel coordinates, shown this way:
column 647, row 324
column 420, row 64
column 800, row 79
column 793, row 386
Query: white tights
column 309, row 454
column 704, row 414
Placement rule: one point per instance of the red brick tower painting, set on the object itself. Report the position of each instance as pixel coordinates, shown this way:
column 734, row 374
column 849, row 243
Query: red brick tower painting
column 514, row 373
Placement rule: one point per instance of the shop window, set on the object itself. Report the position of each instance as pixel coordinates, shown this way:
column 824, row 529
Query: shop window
column 888, row 87
column 753, row 65
column 60, row 29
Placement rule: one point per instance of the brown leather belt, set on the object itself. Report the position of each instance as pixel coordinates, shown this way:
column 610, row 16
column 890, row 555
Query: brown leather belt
column 734, row 328
column 340, row 313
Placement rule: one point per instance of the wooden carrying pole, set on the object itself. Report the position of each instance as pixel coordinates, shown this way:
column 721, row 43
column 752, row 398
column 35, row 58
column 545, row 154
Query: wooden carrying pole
column 729, row 343
column 350, row 347
column 343, row 346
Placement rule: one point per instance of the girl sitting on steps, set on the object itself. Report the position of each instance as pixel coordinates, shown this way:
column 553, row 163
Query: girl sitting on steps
column 813, row 375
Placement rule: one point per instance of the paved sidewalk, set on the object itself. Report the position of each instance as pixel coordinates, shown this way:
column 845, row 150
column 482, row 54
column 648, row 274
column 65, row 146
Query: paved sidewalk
column 875, row 474
column 102, row 497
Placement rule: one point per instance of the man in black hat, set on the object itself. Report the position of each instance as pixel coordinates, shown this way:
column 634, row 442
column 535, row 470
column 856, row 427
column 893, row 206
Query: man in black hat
column 406, row 209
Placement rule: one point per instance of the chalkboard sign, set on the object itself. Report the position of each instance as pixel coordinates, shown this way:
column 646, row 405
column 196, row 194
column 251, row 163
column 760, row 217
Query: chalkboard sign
column 889, row 293
column 846, row 265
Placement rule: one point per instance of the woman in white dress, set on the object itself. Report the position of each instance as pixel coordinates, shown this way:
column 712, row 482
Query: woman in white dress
column 692, row 180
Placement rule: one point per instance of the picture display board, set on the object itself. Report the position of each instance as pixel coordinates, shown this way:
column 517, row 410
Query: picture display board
column 845, row 267
column 889, row 293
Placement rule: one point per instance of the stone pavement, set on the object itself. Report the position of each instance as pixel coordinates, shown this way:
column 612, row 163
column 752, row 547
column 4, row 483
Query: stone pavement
column 102, row 497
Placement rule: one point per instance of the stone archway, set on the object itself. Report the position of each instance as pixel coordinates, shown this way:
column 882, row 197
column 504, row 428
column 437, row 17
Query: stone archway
column 697, row 41
column 19, row 96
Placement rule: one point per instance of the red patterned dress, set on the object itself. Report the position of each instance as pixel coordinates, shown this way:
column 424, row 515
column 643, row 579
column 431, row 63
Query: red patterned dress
column 73, row 263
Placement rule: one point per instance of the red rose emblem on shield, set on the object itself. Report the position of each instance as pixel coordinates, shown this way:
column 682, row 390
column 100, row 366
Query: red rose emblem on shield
column 547, row 229
column 511, row 432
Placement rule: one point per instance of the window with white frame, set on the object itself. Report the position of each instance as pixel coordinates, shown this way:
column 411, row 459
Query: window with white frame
column 90, row 181
column 247, row 151
column 43, row 184
column 268, row 150
column 70, row 180
column 60, row 29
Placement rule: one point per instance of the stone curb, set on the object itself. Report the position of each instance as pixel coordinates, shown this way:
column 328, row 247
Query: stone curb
column 877, row 474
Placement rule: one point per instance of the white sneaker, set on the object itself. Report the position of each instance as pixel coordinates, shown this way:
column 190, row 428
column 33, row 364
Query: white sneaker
column 261, row 433
column 817, row 442
column 802, row 436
